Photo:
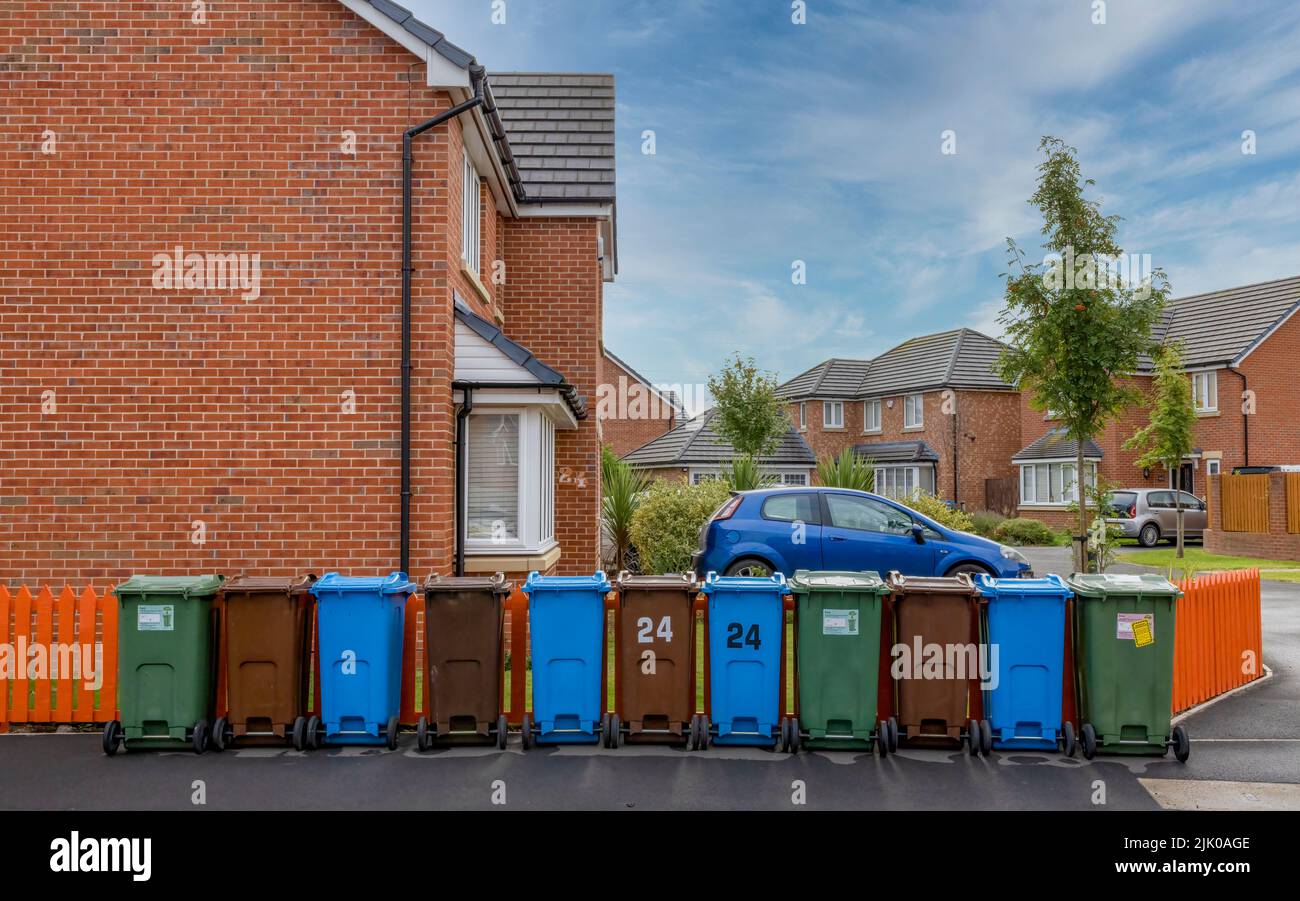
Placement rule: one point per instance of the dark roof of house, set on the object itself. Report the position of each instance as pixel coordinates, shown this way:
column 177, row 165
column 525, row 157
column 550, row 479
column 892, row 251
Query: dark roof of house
column 669, row 396
column 1056, row 445
column 695, row 442
column 522, row 357
column 1221, row 327
column 561, row 129
column 897, row 452
column 961, row 358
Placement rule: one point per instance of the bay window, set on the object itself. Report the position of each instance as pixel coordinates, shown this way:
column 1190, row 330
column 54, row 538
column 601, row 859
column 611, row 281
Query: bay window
column 1049, row 483
column 509, row 481
column 902, row 482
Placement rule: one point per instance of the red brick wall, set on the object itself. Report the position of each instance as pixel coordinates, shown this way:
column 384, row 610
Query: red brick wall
column 553, row 306
column 1275, row 544
column 179, row 406
column 623, row 433
column 1271, row 370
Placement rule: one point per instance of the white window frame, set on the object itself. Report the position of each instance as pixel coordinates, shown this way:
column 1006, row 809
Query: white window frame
column 781, row 475
column 1205, row 391
column 471, row 209
column 1052, row 472
column 836, row 421
column 1213, row 467
column 868, row 408
column 897, row 475
column 914, row 404
column 803, row 416
column 536, row 513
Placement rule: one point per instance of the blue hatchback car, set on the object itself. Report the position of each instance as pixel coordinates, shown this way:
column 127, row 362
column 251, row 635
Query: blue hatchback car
column 786, row 529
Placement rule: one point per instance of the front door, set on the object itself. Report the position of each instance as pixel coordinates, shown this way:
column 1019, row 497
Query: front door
column 1186, row 478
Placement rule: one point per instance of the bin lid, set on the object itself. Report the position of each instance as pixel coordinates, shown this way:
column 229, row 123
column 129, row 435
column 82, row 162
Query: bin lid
column 393, row 583
column 1103, row 585
column 826, row 580
column 958, row 584
column 766, row 584
column 497, row 584
column 625, row 581
column 594, row 582
column 184, row 586
column 1050, row 585
column 268, row 584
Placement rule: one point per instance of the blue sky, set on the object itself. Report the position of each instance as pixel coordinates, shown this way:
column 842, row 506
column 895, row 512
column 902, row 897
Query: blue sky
column 822, row 142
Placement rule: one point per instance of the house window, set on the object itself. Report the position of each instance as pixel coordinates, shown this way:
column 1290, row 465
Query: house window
column 871, row 415
column 509, row 481
column 913, row 411
column 833, row 414
column 698, row 477
column 1052, row 483
column 1213, row 467
column 898, row 482
column 794, row 478
column 803, row 416
column 1205, row 391
column 469, row 221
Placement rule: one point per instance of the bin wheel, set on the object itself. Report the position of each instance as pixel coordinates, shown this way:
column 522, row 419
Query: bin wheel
column 704, row 734
column 973, row 737
column 881, row 744
column 526, row 731
column 1067, row 739
column 503, row 732
column 219, row 729
column 986, row 737
column 300, row 733
column 893, row 735
column 1089, row 737
column 422, row 734
column 112, row 737
column 313, row 733
column 615, row 731
column 392, row 733
column 693, row 739
column 783, row 741
column 1182, row 744
column 795, row 738
column 200, row 736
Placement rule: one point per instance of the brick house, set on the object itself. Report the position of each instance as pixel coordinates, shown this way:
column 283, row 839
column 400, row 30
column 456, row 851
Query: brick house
column 931, row 414
column 695, row 451
column 201, row 336
column 629, row 409
column 1240, row 347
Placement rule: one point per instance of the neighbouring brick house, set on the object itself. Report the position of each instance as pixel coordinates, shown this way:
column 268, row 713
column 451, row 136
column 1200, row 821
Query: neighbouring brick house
column 695, row 451
column 164, row 421
column 630, row 410
column 1240, row 348
column 931, row 414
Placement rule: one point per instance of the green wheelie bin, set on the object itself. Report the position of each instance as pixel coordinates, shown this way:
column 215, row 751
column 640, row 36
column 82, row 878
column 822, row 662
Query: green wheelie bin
column 1124, row 656
column 837, row 661
column 166, row 662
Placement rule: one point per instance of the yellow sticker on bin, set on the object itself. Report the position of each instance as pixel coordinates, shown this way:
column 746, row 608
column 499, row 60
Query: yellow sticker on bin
column 1142, row 634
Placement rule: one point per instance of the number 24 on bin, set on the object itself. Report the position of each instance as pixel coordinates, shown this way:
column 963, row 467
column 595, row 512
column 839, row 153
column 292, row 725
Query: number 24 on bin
column 736, row 630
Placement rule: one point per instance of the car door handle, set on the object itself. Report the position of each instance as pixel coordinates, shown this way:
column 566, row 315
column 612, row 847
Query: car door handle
column 837, row 538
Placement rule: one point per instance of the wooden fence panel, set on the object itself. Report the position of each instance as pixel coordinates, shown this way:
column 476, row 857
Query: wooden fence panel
column 1243, row 502
column 1293, row 502
column 1218, row 636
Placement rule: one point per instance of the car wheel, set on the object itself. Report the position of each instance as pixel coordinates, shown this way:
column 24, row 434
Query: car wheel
column 751, row 567
column 970, row 569
column 1149, row 536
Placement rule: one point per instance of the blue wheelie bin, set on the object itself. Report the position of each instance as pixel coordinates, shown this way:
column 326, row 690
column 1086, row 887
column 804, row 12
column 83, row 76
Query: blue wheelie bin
column 746, row 628
column 359, row 643
column 566, row 623
column 1025, row 623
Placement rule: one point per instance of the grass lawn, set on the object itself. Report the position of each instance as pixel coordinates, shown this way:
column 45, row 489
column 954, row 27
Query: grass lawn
column 1199, row 560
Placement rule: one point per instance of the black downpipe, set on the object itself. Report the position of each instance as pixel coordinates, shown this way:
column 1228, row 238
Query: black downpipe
column 462, row 424
column 477, row 76
column 1245, row 416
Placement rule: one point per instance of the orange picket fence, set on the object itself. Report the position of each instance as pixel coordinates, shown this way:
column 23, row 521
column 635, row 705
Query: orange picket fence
column 1219, row 647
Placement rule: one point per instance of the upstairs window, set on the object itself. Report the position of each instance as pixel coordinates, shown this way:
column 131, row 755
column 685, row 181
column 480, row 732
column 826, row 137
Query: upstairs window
column 469, row 220
column 803, row 416
column 871, row 415
column 913, row 411
column 1205, row 391
column 833, row 414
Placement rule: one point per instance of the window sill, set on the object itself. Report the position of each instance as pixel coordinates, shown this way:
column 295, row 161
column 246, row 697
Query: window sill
column 873, row 431
column 485, row 561
column 914, row 428
column 1206, row 414
column 1025, row 506
column 833, row 428
column 472, row 277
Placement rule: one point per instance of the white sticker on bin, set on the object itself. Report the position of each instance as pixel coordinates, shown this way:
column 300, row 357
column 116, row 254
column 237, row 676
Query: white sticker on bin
column 155, row 618
column 839, row 622
column 1124, row 624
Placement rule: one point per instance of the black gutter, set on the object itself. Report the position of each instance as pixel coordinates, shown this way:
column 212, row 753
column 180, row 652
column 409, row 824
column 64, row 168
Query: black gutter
column 478, row 76
column 462, row 423
column 1245, row 416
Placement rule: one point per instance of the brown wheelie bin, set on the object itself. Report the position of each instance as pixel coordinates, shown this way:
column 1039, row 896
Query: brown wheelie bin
column 655, row 660
column 267, row 631
column 933, row 700
column 463, row 636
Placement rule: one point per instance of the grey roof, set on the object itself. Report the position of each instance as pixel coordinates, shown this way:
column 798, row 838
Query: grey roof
column 961, row 358
column 694, row 442
column 669, row 396
column 561, row 129
column 431, row 36
column 1056, row 445
column 523, row 357
column 1221, row 327
column 897, row 452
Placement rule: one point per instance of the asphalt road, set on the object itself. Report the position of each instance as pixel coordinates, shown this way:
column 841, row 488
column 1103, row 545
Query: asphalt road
column 1245, row 753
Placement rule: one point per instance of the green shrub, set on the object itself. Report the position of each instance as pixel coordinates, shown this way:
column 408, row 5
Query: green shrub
column 848, row 470
column 744, row 474
column 986, row 522
column 666, row 524
column 940, row 512
column 1029, row 532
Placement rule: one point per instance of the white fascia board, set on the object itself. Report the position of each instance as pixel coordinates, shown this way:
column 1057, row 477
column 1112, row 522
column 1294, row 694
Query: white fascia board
column 561, row 209
column 546, row 399
column 478, row 140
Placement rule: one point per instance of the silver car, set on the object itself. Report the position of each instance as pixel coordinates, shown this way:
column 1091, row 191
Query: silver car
column 1149, row 514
